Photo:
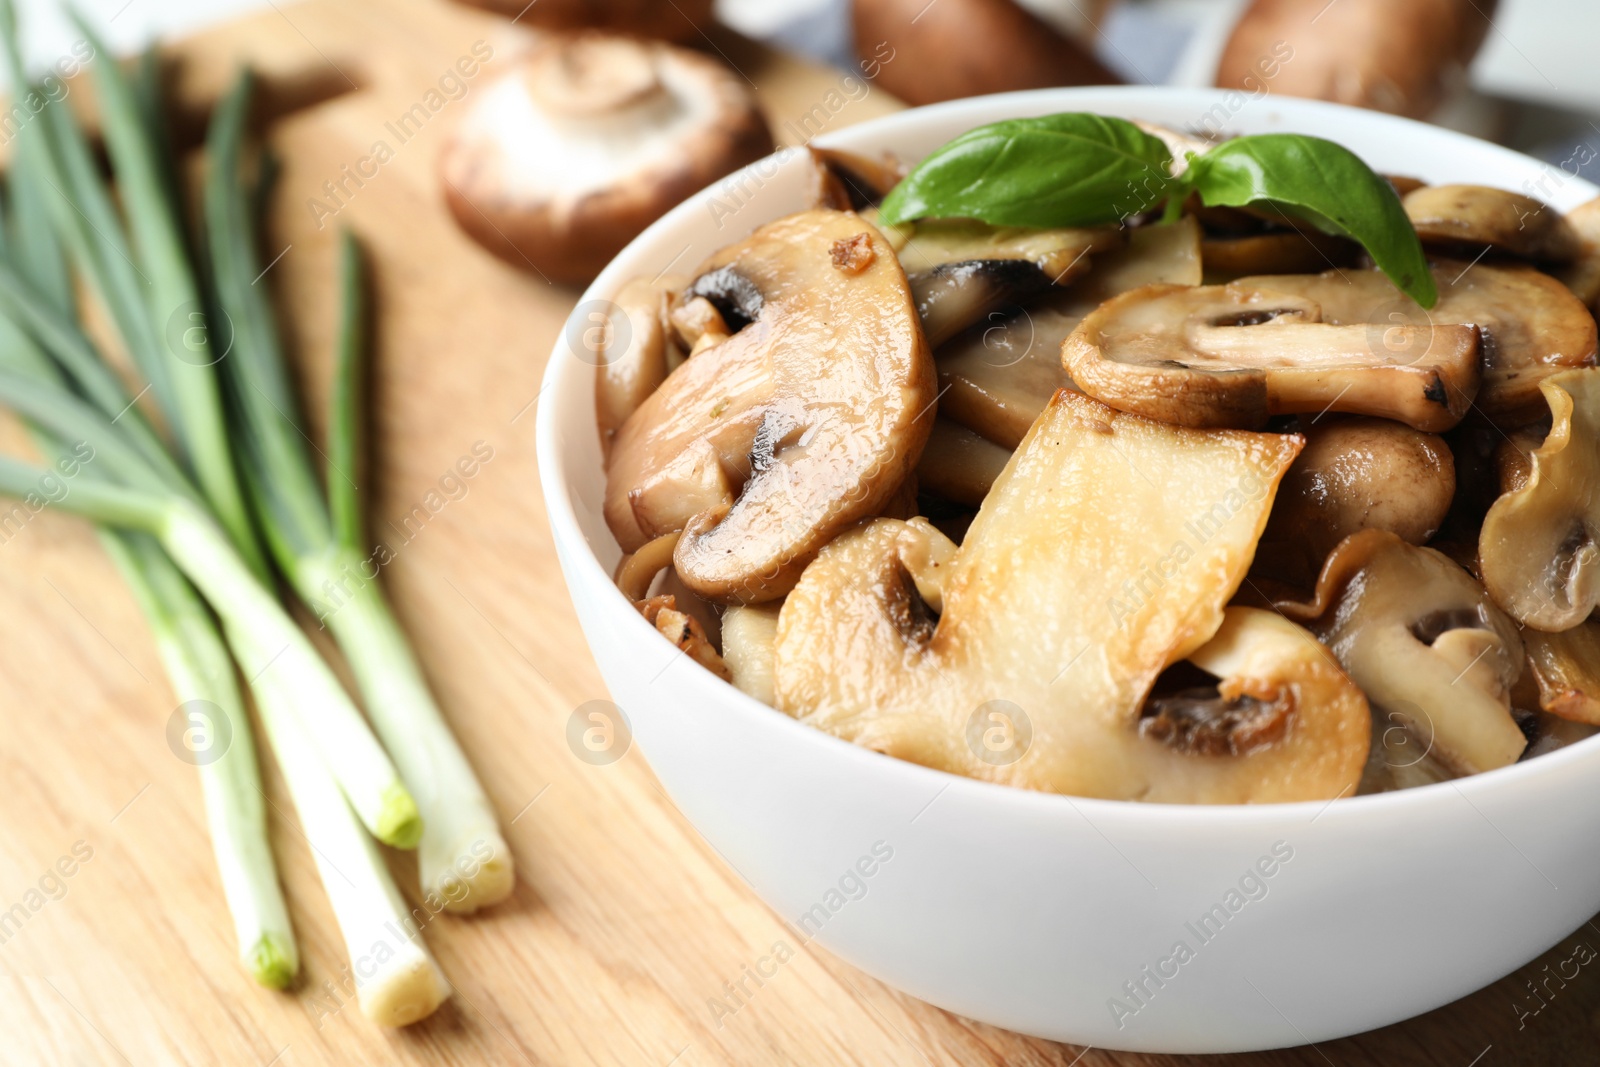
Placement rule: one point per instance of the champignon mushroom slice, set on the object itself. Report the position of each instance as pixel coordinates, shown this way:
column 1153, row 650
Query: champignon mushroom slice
column 763, row 446
column 1426, row 644
column 1566, row 668
column 998, row 375
column 561, row 162
column 1467, row 219
column 1538, row 546
column 1357, row 474
column 1530, row 324
column 959, row 465
column 1290, row 252
column 1233, row 355
column 748, row 632
column 1105, row 552
column 845, row 181
column 636, row 348
column 1582, row 276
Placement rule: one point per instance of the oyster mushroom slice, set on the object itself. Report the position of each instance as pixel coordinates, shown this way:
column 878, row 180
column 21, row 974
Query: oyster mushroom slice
column 1231, row 355
column 999, row 374
column 1470, row 218
column 1530, row 324
column 1538, row 549
column 808, row 417
column 1426, row 644
column 1104, row 553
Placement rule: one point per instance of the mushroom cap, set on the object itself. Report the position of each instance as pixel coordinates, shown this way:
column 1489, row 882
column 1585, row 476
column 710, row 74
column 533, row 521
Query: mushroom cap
column 808, row 416
column 999, row 375
column 1426, row 644
column 563, row 160
column 1105, row 552
column 1538, row 547
column 1531, row 325
column 1361, row 474
column 1233, row 355
column 1467, row 219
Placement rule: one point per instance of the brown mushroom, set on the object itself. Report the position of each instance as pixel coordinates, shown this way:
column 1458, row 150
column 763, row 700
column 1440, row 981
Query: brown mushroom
column 959, row 465
column 635, row 348
column 565, row 159
column 1467, row 219
column 679, row 20
column 1358, row 474
column 1426, row 644
column 1233, row 355
column 1582, row 276
column 999, row 375
column 1530, row 323
column 1538, row 546
column 807, row 416
column 1105, row 552
column 846, row 181
column 958, row 48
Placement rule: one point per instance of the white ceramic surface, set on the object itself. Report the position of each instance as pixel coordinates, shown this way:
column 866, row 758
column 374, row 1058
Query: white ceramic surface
column 1032, row 911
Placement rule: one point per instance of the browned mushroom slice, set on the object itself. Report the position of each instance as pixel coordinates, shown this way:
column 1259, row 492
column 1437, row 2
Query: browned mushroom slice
column 1105, row 552
column 748, row 632
column 1566, row 668
column 635, row 349
column 1538, row 546
column 1466, row 219
column 1426, row 644
column 998, row 376
column 845, row 181
column 807, row 418
column 1582, row 275
column 959, row 465
column 1357, row 474
column 1531, row 324
column 1291, row 252
column 1233, row 355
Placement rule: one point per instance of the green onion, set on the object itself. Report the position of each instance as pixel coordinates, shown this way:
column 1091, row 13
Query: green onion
column 463, row 861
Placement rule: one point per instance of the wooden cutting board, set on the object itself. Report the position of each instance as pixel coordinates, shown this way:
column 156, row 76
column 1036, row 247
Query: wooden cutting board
column 625, row 924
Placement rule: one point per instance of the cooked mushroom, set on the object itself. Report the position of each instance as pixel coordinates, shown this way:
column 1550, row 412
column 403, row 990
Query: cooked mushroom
column 563, row 160
column 1566, row 668
column 1531, row 325
column 1426, row 644
column 690, row 626
column 1582, row 276
column 806, row 418
column 998, row 376
column 748, row 632
column 1467, row 219
column 635, row 349
column 845, row 181
column 1538, row 547
column 959, row 465
column 1358, row 474
column 679, row 20
column 1105, row 552
column 1552, row 732
column 1281, row 252
column 1233, row 355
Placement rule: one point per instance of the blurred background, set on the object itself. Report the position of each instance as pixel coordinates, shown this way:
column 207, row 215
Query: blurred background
column 1530, row 79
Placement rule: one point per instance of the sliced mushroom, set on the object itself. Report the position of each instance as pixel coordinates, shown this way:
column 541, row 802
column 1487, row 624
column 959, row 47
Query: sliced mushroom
column 1104, row 553
column 1283, row 252
column 635, row 348
column 959, row 465
column 1426, row 644
column 845, row 181
column 565, row 159
column 808, row 417
column 961, row 269
column 1566, row 668
column 1531, row 325
column 1582, row 276
column 685, row 631
column 1233, row 355
column 1358, row 474
column 1467, row 219
column 1538, row 547
column 748, row 633
column 999, row 375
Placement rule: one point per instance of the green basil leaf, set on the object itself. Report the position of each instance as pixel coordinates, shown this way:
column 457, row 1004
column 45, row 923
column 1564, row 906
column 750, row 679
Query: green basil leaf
column 1071, row 169
column 1325, row 185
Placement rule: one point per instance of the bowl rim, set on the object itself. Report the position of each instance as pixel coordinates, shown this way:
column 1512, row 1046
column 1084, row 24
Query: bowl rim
column 706, row 689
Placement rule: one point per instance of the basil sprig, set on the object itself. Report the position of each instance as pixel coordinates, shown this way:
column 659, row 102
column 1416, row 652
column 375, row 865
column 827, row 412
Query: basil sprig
column 1078, row 169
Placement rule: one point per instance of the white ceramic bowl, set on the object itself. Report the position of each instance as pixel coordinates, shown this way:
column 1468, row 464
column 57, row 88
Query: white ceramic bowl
column 1035, row 912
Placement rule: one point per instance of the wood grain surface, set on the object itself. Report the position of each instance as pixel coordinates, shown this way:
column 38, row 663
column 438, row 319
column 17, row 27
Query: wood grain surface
column 625, row 925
